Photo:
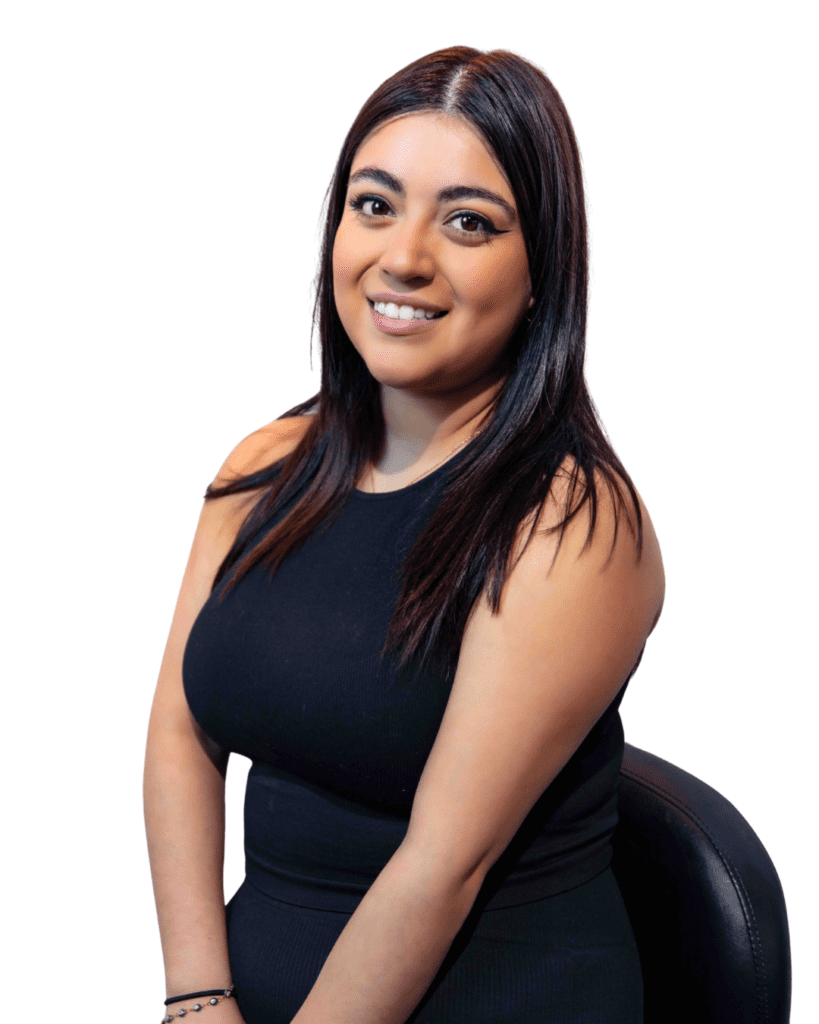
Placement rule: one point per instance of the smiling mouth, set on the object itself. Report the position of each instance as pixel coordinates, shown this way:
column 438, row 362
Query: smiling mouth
column 409, row 319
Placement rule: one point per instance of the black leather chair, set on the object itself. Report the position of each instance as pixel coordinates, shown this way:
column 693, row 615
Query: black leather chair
column 704, row 899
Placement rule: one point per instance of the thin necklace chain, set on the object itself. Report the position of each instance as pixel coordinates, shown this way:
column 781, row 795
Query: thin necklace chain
column 428, row 471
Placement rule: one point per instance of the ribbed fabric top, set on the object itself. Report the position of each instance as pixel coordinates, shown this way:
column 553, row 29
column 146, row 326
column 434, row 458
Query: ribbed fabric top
column 287, row 673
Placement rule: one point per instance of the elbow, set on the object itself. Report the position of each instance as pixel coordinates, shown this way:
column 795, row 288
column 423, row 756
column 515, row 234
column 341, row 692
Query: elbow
column 445, row 877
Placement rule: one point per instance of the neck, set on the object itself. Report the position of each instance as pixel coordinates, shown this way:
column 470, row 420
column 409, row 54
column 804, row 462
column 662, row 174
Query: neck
column 422, row 430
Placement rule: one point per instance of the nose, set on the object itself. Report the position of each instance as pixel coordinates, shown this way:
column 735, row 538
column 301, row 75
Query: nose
column 407, row 252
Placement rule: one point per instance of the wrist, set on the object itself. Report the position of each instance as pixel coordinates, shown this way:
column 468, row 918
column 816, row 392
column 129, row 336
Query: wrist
column 180, row 983
column 227, row 1012
column 196, row 1000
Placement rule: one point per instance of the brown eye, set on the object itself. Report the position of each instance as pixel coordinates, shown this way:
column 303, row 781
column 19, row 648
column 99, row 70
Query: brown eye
column 357, row 204
column 481, row 226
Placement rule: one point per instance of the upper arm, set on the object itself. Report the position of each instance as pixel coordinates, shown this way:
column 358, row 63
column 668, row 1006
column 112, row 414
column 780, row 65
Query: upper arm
column 530, row 684
column 219, row 522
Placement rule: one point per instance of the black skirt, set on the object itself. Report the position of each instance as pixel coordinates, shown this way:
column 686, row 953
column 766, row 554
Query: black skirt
column 570, row 958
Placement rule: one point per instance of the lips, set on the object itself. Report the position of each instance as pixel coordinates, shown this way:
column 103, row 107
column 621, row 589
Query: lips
column 394, row 326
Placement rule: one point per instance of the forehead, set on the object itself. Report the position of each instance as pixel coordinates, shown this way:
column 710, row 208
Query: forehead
column 429, row 149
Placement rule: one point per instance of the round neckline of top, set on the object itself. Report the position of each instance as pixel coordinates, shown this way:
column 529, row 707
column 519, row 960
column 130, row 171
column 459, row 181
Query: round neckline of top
column 434, row 475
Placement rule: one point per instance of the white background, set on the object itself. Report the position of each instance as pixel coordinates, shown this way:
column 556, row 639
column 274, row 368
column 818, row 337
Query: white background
column 163, row 170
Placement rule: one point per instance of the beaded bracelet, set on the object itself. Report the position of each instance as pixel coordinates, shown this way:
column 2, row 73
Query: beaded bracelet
column 217, row 993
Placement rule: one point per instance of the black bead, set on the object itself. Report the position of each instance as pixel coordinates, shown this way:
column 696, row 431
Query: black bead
column 197, row 1007
column 213, row 1001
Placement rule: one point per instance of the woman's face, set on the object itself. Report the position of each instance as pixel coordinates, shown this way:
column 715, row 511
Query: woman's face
column 461, row 253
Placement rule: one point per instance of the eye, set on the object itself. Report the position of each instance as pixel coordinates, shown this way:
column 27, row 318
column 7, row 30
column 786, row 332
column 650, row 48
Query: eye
column 359, row 201
column 484, row 227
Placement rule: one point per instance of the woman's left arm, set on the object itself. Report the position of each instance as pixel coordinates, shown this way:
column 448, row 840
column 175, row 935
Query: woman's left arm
column 392, row 947
column 530, row 684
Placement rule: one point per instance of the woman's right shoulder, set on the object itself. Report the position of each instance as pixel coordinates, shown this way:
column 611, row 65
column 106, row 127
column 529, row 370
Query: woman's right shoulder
column 222, row 516
column 262, row 447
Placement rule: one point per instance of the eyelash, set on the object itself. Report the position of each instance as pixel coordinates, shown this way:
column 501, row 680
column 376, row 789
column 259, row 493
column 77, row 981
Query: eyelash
column 486, row 229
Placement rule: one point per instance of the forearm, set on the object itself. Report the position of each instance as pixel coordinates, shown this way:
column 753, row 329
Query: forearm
column 184, row 801
column 390, row 950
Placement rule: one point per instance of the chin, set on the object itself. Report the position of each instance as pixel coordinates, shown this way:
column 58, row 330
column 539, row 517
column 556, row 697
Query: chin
column 393, row 377
column 397, row 373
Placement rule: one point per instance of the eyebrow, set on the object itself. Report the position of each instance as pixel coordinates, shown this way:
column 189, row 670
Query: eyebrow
column 450, row 194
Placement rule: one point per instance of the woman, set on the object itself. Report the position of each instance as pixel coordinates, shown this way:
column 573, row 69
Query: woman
column 415, row 602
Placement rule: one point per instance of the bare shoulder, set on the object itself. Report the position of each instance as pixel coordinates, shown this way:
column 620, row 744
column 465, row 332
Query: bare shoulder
column 262, row 447
column 223, row 516
column 609, row 551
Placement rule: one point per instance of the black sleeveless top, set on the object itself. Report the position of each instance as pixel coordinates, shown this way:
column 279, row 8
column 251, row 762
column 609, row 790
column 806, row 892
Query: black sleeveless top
column 287, row 673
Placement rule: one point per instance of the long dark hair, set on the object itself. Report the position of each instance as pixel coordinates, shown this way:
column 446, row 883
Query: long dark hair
column 541, row 414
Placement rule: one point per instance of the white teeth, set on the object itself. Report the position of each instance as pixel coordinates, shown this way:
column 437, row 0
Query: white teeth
column 395, row 312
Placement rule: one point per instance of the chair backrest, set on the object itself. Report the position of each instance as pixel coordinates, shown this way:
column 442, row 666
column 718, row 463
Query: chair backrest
column 704, row 900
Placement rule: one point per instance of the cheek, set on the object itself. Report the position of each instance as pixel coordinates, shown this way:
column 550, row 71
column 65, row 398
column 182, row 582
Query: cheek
column 496, row 305
column 343, row 261
column 496, row 290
